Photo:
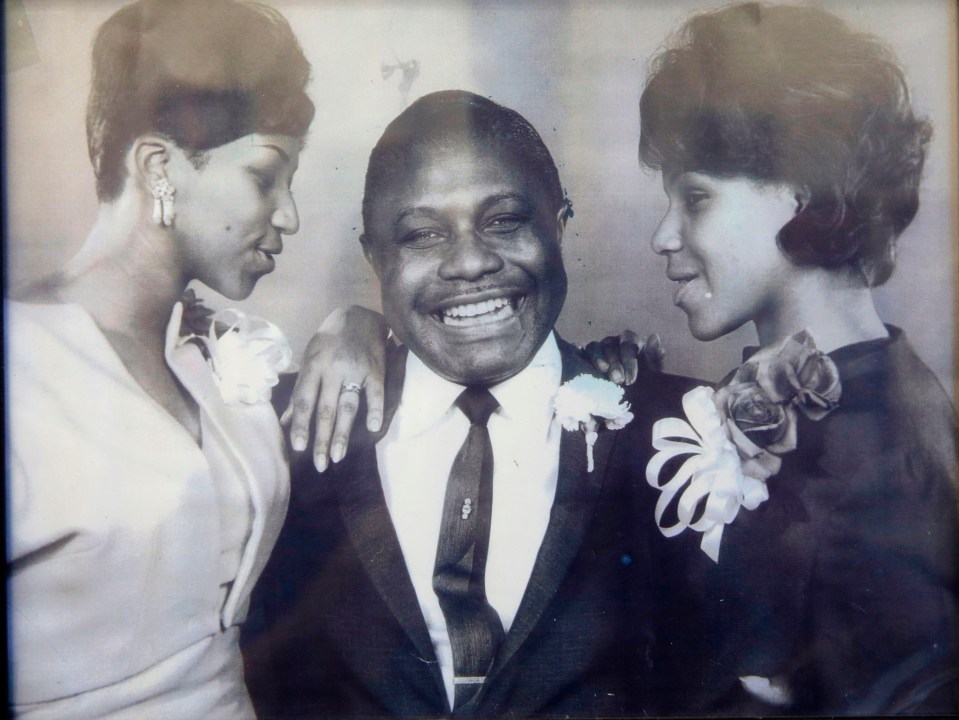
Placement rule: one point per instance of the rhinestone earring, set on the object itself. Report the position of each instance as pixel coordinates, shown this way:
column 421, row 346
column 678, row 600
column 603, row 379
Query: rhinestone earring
column 163, row 212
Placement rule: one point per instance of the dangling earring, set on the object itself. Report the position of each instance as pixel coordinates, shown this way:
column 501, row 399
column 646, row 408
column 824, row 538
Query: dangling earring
column 162, row 192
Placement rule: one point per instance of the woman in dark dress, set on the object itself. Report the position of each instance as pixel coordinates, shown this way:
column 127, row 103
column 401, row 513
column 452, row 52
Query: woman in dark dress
column 816, row 515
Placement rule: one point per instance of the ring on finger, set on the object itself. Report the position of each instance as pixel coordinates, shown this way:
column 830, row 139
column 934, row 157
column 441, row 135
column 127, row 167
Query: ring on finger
column 351, row 387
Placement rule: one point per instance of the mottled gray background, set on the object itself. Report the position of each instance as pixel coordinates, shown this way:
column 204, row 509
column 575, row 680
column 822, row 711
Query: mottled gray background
column 573, row 68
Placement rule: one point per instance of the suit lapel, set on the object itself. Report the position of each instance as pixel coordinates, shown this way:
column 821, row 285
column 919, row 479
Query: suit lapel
column 577, row 492
column 370, row 528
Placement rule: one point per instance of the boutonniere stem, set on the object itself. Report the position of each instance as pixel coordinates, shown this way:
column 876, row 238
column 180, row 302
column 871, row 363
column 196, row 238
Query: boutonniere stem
column 583, row 402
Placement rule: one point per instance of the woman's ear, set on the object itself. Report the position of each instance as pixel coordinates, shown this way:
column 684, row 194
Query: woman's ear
column 150, row 155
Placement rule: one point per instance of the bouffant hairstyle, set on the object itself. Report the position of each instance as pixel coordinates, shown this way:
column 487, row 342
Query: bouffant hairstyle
column 791, row 94
column 452, row 116
column 200, row 72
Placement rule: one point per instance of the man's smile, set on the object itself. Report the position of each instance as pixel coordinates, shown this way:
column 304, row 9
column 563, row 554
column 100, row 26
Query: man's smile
column 484, row 308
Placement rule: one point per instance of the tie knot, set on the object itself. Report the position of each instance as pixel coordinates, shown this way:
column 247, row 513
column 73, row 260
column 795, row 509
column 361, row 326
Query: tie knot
column 477, row 404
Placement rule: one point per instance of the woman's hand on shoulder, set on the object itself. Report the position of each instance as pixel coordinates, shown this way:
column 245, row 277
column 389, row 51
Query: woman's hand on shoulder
column 345, row 357
column 621, row 356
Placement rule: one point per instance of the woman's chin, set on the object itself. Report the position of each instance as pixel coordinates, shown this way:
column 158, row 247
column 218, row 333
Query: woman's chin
column 705, row 331
column 238, row 292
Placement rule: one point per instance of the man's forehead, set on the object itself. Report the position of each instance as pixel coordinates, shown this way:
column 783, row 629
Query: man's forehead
column 465, row 172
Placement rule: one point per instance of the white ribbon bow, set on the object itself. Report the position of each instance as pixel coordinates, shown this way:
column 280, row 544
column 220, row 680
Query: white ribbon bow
column 714, row 471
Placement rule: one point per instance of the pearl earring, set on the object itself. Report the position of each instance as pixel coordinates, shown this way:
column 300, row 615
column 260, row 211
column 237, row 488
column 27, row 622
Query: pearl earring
column 162, row 192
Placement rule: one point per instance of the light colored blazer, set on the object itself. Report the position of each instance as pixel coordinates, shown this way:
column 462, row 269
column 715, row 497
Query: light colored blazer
column 114, row 537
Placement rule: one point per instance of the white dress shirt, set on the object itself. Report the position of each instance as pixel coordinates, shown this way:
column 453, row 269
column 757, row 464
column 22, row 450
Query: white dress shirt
column 415, row 458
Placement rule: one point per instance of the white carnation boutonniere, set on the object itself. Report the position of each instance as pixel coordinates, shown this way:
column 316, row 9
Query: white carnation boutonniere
column 584, row 401
column 733, row 439
column 246, row 354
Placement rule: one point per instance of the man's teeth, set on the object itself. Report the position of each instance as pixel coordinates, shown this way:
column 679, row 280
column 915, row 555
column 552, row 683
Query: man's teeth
column 476, row 313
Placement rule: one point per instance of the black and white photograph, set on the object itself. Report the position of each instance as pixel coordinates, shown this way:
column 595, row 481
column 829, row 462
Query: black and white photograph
column 481, row 358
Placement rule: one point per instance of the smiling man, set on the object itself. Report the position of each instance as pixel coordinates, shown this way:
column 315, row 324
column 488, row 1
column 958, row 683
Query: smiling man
column 466, row 559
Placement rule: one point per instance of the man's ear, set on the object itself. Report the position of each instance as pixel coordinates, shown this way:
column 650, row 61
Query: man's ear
column 561, row 216
column 150, row 156
column 368, row 253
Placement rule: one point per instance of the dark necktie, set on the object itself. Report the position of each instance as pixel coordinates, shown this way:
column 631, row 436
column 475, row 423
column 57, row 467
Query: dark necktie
column 459, row 574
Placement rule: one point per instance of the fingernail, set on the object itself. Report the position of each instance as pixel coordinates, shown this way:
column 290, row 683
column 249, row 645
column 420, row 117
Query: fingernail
column 373, row 424
column 320, row 461
column 299, row 443
column 602, row 365
column 336, row 452
column 616, row 376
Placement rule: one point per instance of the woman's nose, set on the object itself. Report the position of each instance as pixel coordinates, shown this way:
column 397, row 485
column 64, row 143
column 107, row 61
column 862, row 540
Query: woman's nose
column 469, row 257
column 285, row 218
column 667, row 236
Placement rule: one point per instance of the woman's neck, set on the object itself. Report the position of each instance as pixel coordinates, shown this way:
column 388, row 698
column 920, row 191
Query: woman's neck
column 126, row 275
column 835, row 307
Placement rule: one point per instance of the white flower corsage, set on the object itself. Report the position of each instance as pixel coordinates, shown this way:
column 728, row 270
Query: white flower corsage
column 580, row 403
column 735, row 437
column 246, row 358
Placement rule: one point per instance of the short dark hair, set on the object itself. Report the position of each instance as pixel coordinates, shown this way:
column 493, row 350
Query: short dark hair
column 200, row 72
column 791, row 94
column 450, row 115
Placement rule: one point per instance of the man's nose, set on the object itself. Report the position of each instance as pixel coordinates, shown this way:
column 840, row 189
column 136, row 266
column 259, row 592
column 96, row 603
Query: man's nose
column 668, row 236
column 469, row 257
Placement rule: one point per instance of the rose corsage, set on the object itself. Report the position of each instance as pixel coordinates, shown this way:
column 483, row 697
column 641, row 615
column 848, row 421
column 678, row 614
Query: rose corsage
column 735, row 437
column 246, row 354
column 581, row 403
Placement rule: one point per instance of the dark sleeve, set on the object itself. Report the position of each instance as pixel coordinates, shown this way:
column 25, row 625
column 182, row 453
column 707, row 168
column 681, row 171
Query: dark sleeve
column 882, row 598
column 843, row 584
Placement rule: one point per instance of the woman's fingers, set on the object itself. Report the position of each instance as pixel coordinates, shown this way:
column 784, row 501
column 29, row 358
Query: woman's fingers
column 374, row 400
column 346, row 408
column 621, row 356
column 305, row 391
column 593, row 353
column 652, row 354
column 629, row 350
column 345, row 356
column 326, row 409
column 613, row 355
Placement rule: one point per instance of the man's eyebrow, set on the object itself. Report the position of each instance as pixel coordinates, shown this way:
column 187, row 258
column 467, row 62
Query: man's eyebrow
column 493, row 199
column 486, row 202
column 415, row 210
column 432, row 213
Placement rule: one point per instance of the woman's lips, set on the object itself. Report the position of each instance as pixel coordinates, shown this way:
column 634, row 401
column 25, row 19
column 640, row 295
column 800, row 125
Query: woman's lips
column 266, row 258
column 688, row 286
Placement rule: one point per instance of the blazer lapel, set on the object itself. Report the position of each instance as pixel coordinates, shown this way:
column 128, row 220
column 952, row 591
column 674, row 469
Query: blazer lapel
column 576, row 494
column 251, row 433
column 371, row 531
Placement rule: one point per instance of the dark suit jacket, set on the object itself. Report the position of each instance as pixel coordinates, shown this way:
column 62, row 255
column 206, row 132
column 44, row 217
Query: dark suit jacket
column 843, row 584
column 336, row 629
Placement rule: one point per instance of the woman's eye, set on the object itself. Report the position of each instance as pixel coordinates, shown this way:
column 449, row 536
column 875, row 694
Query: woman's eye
column 264, row 180
column 693, row 199
column 503, row 224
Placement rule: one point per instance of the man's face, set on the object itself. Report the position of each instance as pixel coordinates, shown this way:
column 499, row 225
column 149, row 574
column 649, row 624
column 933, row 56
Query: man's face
column 466, row 245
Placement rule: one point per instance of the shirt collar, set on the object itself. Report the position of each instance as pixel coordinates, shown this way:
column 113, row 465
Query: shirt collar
column 527, row 397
